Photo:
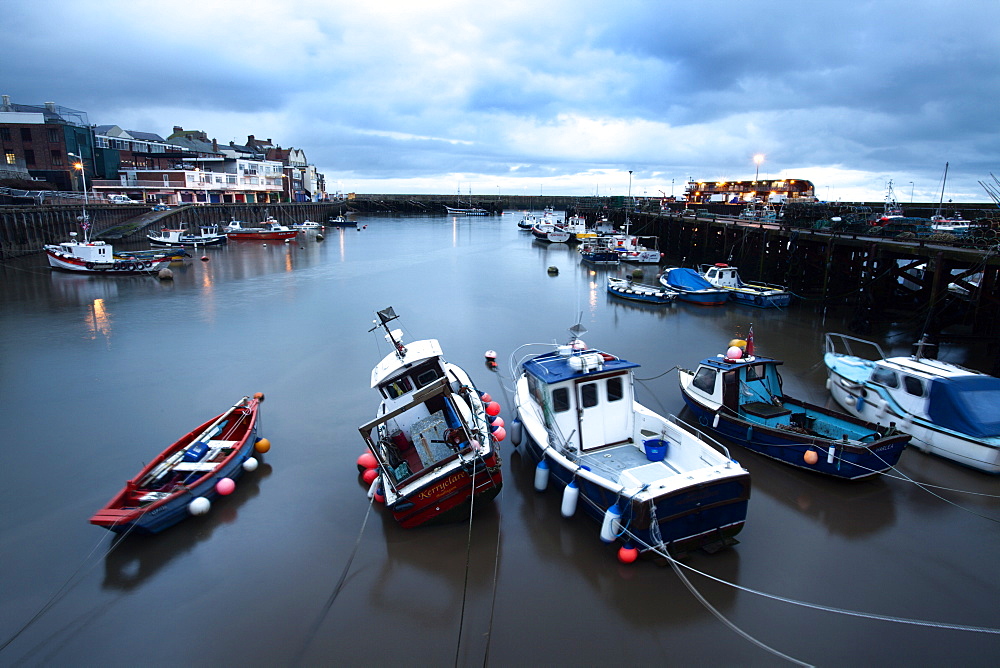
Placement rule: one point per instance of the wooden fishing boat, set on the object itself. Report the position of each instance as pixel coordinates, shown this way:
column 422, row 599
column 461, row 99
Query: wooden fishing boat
column 433, row 453
column 738, row 395
column 947, row 410
column 270, row 230
column 185, row 478
column 640, row 292
column 651, row 482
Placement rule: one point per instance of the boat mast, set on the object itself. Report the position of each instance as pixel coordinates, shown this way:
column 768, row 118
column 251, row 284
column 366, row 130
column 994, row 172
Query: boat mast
column 943, row 181
column 386, row 316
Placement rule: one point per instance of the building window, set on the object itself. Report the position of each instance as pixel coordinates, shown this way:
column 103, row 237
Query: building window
column 11, row 158
column 57, row 159
column 29, row 158
column 101, row 142
column 5, row 134
column 53, row 135
column 26, row 134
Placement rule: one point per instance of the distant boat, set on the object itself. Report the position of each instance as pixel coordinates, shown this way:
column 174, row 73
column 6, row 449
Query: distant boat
column 99, row 257
column 306, row 225
column 762, row 295
column 183, row 479
column 466, row 211
column 270, row 230
column 692, row 287
column 208, row 235
column 640, row 292
column 599, row 251
column 341, row 221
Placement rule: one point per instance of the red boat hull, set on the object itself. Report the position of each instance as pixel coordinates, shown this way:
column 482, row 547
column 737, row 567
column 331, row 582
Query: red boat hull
column 448, row 500
column 262, row 236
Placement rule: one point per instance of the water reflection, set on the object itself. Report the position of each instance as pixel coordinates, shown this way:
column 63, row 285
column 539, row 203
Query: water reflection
column 135, row 558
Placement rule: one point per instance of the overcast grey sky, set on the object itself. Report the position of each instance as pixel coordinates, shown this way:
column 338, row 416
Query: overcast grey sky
column 551, row 97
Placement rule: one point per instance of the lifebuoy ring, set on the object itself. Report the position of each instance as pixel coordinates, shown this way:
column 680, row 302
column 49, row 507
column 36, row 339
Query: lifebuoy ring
column 89, row 265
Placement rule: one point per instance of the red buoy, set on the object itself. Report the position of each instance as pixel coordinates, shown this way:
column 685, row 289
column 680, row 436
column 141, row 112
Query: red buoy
column 627, row 554
column 369, row 476
column 493, row 408
column 367, row 461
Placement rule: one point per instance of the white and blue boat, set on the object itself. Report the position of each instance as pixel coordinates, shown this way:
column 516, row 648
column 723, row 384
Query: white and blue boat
column 761, row 295
column 648, row 480
column 692, row 287
column 946, row 409
column 640, row 292
column 738, row 395
column 599, row 251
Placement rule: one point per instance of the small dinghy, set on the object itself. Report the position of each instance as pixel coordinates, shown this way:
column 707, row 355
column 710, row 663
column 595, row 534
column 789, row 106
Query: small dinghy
column 185, row 478
column 640, row 292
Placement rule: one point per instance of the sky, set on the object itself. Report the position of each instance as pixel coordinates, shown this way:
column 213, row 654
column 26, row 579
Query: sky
column 550, row 97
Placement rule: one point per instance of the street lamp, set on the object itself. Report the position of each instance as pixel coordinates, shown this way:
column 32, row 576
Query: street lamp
column 83, row 174
column 759, row 158
column 629, row 204
column 911, row 192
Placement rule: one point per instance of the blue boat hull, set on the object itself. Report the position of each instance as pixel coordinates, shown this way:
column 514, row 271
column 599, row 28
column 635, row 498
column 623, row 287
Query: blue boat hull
column 705, row 516
column 790, row 447
column 779, row 300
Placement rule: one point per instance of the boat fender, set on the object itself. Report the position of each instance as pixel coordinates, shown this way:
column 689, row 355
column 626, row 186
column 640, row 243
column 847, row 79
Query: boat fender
column 829, row 454
column 715, row 421
column 570, row 495
column 749, row 434
column 541, row 476
column 515, row 432
column 610, row 524
column 372, row 487
column 628, row 553
column 250, row 464
column 827, row 384
column 860, row 405
column 199, row 506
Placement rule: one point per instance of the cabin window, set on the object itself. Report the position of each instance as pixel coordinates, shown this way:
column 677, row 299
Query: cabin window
column 588, row 395
column 397, row 388
column 426, row 377
column 913, row 386
column 560, row 400
column 616, row 389
column 704, row 380
column 885, row 377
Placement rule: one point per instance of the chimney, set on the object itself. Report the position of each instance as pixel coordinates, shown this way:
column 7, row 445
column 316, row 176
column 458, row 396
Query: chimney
column 178, row 129
column 250, row 140
column 215, row 145
column 51, row 106
column 6, row 103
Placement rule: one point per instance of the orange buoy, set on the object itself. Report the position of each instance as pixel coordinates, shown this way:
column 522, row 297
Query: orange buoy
column 259, row 396
column 262, row 445
column 810, row 457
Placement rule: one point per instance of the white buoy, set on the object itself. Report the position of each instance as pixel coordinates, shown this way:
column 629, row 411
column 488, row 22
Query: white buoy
column 199, row 506
column 609, row 527
column 373, row 487
column 570, row 495
column 250, row 464
column 715, row 421
column 515, row 432
column 829, row 455
column 542, row 476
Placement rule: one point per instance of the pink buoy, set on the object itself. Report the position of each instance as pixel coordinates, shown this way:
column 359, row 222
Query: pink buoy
column 485, row 396
column 367, row 461
column 499, row 434
column 225, row 486
column 369, row 476
column 734, row 353
column 493, row 408
column 496, row 421
column 627, row 554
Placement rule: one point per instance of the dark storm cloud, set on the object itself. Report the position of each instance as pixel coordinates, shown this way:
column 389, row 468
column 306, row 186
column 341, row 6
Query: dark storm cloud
column 401, row 96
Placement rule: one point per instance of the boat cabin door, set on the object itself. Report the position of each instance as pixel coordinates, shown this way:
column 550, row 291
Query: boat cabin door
column 730, row 389
column 604, row 412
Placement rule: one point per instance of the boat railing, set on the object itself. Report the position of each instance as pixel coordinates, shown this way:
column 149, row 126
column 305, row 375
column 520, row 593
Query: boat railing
column 702, row 436
column 841, row 344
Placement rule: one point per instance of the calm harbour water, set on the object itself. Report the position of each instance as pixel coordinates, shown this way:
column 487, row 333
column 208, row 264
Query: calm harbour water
column 99, row 374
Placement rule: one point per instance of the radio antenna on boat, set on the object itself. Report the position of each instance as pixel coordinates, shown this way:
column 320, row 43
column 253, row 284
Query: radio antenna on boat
column 385, row 316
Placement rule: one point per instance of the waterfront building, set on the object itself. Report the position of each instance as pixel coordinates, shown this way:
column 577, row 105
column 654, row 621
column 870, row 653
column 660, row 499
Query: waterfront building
column 36, row 142
column 762, row 191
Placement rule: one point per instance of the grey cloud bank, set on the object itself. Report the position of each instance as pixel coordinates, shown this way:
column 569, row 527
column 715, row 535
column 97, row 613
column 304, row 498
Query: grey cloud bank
column 557, row 97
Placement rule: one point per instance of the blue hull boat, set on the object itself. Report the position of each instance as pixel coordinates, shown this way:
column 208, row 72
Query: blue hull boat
column 640, row 292
column 738, row 396
column 649, row 481
column 761, row 295
column 691, row 287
